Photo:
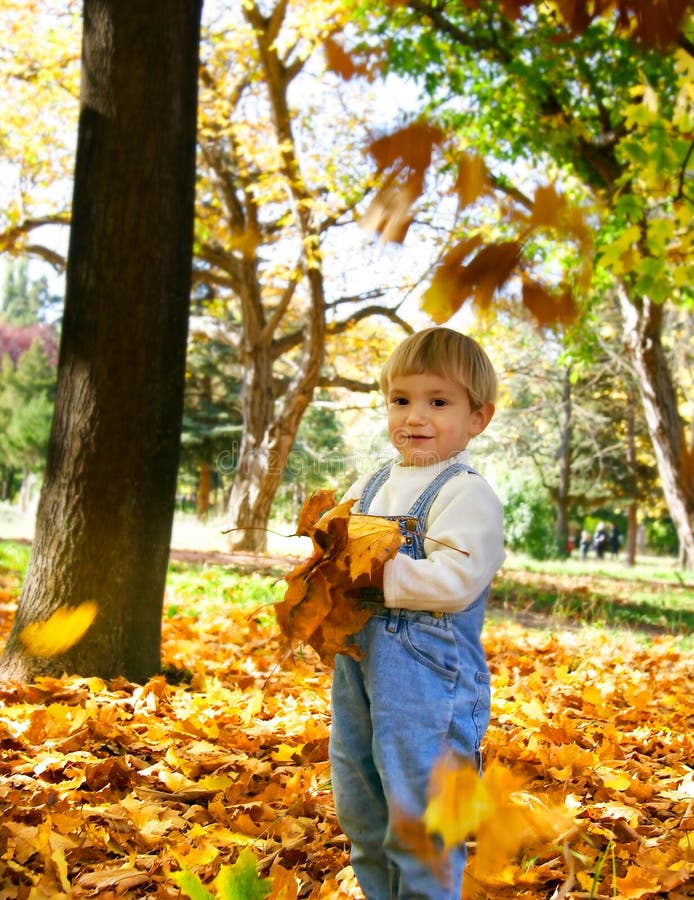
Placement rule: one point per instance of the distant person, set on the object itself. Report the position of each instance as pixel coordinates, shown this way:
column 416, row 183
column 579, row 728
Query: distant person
column 601, row 540
column 615, row 541
column 585, row 542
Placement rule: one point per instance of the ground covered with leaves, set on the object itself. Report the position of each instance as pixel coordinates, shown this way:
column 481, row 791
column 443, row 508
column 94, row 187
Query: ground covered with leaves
column 219, row 764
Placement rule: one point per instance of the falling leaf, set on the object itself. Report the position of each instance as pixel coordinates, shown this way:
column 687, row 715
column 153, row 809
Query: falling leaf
column 62, row 630
column 369, row 63
column 548, row 308
column 404, row 156
column 454, row 282
column 472, row 178
column 492, row 808
column 459, row 802
column 549, row 207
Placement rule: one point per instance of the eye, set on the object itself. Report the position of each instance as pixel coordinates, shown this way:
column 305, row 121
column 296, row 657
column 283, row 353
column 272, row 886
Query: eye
column 439, row 402
column 399, row 401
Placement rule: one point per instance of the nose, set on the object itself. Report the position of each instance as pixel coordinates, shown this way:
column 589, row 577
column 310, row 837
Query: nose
column 416, row 413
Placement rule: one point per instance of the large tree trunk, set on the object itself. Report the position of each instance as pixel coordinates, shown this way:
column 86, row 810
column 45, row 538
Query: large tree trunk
column 106, row 508
column 643, row 332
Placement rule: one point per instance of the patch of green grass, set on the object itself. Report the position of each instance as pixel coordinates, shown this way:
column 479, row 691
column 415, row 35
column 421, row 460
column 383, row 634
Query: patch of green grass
column 14, row 557
column 193, row 588
column 647, row 568
column 653, row 597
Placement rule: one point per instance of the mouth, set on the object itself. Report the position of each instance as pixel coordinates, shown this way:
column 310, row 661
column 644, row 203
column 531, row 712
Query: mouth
column 403, row 438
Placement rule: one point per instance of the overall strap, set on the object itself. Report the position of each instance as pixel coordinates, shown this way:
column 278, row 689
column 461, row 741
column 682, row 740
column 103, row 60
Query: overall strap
column 421, row 506
column 372, row 486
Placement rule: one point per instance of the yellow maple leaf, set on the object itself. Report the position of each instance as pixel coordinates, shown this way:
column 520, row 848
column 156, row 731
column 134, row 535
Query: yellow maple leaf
column 371, row 542
column 320, row 606
column 492, row 808
column 461, row 801
column 65, row 627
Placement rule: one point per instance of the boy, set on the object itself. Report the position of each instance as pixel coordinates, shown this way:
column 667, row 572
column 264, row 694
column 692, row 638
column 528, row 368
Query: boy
column 421, row 688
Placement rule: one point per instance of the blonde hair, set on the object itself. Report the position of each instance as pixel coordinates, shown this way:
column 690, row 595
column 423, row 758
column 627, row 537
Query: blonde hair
column 449, row 354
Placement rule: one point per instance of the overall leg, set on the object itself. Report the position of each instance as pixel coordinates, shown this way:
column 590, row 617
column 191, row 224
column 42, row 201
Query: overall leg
column 359, row 800
column 411, row 679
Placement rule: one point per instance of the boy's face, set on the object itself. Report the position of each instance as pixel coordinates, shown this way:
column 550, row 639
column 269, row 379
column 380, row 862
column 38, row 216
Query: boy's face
column 430, row 419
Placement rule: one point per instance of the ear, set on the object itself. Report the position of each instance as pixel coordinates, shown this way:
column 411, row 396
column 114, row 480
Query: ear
column 481, row 418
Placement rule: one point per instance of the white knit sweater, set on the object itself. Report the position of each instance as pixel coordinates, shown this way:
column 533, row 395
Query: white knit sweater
column 466, row 514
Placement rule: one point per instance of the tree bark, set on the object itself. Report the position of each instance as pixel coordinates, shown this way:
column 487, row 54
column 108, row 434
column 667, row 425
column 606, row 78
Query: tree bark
column 564, row 458
column 643, row 321
column 632, row 508
column 106, row 508
column 202, row 497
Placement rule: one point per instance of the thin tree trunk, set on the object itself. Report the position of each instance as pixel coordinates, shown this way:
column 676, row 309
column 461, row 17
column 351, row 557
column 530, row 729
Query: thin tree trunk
column 202, row 499
column 564, row 454
column 106, row 508
column 632, row 508
column 643, row 331
column 632, row 533
column 270, row 425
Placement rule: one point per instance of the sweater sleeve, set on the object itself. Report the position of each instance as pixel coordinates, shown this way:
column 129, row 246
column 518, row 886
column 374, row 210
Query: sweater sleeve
column 467, row 516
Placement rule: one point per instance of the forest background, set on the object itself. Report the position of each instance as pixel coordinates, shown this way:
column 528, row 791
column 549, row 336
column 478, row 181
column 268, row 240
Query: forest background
column 571, row 444
column 532, row 173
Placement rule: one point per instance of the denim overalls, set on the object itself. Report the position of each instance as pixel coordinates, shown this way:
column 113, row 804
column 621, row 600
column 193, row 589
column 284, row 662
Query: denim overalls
column 421, row 689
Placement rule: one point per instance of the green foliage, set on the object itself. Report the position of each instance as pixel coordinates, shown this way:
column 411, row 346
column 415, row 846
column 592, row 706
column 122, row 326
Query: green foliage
column 196, row 587
column 605, row 117
column 605, row 593
column 237, row 882
column 26, row 408
column 190, row 885
column 14, row 557
column 528, row 518
column 661, row 537
column 25, row 300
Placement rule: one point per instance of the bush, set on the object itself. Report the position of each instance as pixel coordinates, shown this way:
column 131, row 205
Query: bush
column 661, row 537
column 529, row 519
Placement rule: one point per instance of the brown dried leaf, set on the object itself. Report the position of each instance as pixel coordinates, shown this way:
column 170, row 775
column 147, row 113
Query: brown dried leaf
column 321, row 605
column 549, row 208
column 409, row 147
column 390, row 212
column 318, row 503
column 405, row 155
column 472, row 178
column 453, row 284
column 372, row 542
column 368, row 63
column 548, row 308
column 339, row 60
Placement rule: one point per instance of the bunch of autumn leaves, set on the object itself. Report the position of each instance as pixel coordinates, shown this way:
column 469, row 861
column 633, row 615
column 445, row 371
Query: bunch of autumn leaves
column 321, row 605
